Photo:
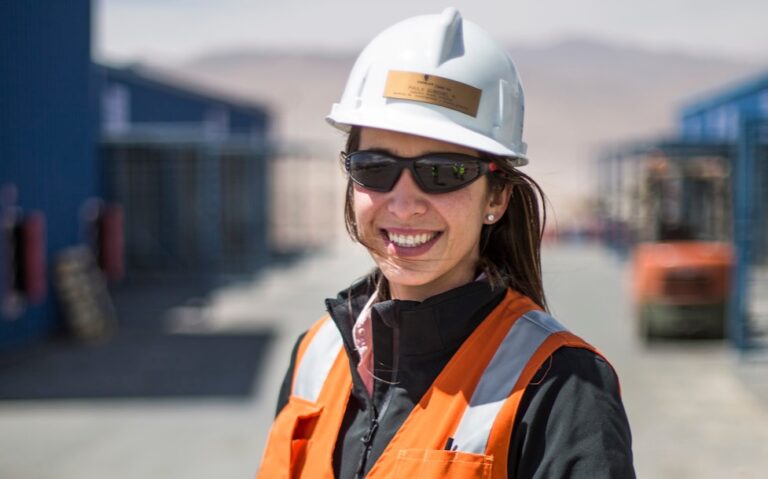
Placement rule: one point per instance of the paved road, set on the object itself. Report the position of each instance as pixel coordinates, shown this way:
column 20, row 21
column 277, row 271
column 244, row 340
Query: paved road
column 693, row 407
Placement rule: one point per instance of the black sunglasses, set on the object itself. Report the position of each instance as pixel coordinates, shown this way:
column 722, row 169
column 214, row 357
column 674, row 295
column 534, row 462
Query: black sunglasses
column 434, row 172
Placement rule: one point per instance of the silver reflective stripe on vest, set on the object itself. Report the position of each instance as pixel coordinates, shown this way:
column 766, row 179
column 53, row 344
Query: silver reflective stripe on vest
column 317, row 362
column 499, row 377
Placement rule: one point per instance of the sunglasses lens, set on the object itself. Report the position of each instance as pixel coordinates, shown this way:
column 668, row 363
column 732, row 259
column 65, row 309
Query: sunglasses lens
column 374, row 171
column 443, row 173
column 435, row 173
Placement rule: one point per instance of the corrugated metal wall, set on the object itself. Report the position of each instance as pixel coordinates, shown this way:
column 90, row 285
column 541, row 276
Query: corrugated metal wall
column 46, row 131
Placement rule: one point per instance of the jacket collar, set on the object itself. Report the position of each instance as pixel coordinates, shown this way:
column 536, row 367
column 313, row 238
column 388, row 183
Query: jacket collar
column 426, row 327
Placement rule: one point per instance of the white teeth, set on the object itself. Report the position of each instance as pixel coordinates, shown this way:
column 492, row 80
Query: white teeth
column 410, row 241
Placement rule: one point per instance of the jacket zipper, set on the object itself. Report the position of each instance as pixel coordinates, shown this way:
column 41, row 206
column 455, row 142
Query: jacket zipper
column 367, row 439
column 367, row 443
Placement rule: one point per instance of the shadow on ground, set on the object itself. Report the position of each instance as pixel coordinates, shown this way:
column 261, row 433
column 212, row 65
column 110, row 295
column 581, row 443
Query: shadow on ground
column 145, row 358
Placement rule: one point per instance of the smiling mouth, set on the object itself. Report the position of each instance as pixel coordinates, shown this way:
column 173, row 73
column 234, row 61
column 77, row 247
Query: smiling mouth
column 410, row 241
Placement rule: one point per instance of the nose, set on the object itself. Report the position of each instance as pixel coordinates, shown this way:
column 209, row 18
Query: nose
column 406, row 199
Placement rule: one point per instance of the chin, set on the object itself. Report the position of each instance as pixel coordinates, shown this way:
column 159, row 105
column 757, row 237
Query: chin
column 411, row 284
column 407, row 278
column 406, row 272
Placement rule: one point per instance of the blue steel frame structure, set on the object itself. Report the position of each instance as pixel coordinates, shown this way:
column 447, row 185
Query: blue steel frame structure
column 734, row 124
column 750, row 167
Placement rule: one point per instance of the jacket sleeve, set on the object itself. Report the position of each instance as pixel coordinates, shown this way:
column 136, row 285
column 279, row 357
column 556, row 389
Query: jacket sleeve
column 285, row 388
column 571, row 422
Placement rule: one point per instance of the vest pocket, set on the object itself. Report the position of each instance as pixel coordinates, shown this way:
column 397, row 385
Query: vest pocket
column 433, row 464
column 306, row 416
column 289, row 440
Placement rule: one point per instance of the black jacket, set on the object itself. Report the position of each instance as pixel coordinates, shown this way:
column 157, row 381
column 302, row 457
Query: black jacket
column 571, row 422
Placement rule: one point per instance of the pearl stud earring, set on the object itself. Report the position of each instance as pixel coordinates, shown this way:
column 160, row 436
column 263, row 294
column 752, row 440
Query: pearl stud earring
column 490, row 217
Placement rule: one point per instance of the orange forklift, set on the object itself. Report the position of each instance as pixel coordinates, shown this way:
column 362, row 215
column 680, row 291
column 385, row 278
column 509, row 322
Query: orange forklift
column 681, row 266
column 672, row 203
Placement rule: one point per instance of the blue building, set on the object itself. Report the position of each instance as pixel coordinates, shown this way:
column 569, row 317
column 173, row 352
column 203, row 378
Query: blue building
column 48, row 154
column 188, row 169
column 136, row 101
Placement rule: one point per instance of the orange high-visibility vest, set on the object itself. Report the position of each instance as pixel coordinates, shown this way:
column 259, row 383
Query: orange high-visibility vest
column 470, row 407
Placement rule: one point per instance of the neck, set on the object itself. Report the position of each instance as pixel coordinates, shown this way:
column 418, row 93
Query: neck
column 423, row 291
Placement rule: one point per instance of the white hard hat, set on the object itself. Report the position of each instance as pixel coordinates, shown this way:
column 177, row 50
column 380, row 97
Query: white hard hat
column 440, row 77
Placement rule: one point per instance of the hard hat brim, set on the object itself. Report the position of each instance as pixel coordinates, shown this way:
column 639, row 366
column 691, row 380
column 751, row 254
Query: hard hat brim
column 433, row 127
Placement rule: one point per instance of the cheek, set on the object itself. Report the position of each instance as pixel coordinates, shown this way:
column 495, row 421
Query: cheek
column 466, row 206
column 364, row 206
column 462, row 215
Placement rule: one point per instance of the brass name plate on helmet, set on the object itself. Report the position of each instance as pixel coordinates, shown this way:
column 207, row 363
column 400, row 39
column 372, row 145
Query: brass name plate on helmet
column 434, row 90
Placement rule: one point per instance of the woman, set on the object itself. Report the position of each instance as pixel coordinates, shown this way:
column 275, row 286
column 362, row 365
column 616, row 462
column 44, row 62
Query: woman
column 442, row 362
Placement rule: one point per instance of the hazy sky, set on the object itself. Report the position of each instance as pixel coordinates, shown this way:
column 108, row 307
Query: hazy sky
column 175, row 30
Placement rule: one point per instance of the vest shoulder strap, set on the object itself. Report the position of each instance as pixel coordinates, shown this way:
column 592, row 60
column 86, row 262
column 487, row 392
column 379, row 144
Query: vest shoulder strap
column 499, row 433
column 500, row 378
column 316, row 356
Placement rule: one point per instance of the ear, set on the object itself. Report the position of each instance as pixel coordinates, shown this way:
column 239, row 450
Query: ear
column 498, row 201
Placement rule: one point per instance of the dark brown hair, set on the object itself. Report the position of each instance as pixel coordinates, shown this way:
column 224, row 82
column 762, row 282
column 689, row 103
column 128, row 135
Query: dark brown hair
column 510, row 249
